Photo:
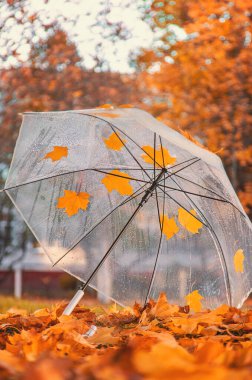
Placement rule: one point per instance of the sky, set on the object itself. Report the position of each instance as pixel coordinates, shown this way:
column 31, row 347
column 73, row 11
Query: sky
column 86, row 36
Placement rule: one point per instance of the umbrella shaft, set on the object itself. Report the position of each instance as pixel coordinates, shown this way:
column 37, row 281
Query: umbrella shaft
column 145, row 198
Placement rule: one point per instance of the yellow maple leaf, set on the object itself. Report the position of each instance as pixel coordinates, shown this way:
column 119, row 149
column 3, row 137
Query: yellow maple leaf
column 170, row 227
column 163, row 309
column 162, row 158
column 107, row 106
column 126, row 106
column 57, row 153
column 164, row 360
column 188, row 221
column 193, row 299
column 115, row 181
column 72, row 202
column 187, row 135
column 238, row 260
column 113, row 142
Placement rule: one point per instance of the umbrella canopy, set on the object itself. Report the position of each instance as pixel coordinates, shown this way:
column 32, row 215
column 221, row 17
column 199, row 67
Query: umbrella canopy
column 109, row 192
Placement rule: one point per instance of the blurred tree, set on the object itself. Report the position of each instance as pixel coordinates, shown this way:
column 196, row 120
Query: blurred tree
column 199, row 74
column 20, row 27
column 52, row 77
column 37, row 58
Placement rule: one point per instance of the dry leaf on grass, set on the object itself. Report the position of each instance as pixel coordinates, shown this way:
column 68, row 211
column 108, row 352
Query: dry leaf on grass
column 159, row 341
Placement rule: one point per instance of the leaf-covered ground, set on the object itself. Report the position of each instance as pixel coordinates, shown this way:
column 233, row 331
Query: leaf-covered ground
column 162, row 341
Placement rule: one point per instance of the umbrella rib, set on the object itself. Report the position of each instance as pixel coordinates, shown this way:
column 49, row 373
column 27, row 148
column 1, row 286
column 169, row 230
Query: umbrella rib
column 212, row 191
column 90, row 169
column 162, row 152
column 205, row 188
column 126, row 168
column 171, row 174
column 125, row 134
column 161, row 224
column 128, row 150
column 161, row 195
column 128, row 199
column 223, row 261
column 179, row 170
column 112, row 246
column 183, row 162
column 120, row 176
column 198, row 195
column 180, row 205
column 66, row 173
column 155, row 180
column 154, row 162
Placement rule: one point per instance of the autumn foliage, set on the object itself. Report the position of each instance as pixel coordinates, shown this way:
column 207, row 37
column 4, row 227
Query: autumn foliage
column 54, row 79
column 199, row 75
column 159, row 341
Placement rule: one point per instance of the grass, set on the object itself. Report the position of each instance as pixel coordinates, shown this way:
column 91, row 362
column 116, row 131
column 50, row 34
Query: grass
column 32, row 304
column 7, row 302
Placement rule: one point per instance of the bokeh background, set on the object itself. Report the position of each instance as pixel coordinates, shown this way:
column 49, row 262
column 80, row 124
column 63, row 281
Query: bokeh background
column 186, row 62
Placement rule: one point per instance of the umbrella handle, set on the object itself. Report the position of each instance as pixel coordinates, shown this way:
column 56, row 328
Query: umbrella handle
column 74, row 302
column 70, row 307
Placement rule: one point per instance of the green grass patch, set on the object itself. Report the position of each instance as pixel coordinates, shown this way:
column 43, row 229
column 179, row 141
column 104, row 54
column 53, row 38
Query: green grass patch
column 30, row 305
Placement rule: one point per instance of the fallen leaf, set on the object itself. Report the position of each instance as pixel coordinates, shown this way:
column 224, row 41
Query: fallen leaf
column 157, row 341
column 126, row 106
column 107, row 106
column 57, row 153
column 17, row 311
column 72, row 202
column 188, row 221
column 182, row 325
column 49, row 368
column 104, row 336
column 163, row 309
column 113, row 142
column 193, row 299
column 10, row 362
column 115, row 181
column 170, row 227
column 221, row 310
column 238, row 261
column 162, row 157
column 164, row 360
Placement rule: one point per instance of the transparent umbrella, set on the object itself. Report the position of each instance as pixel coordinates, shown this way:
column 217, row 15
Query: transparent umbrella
column 109, row 191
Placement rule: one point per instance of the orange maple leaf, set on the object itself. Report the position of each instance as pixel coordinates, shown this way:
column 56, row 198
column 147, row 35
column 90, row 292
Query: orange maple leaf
column 193, row 299
column 72, row 202
column 188, row 136
column 57, row 153
column 113, row 142
column 162, row 157
column 170, row 227
column 126, row 106
column 107, row 114
column 115, row 181
column 238, row 260
column 107, row 106
column 188, row 221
